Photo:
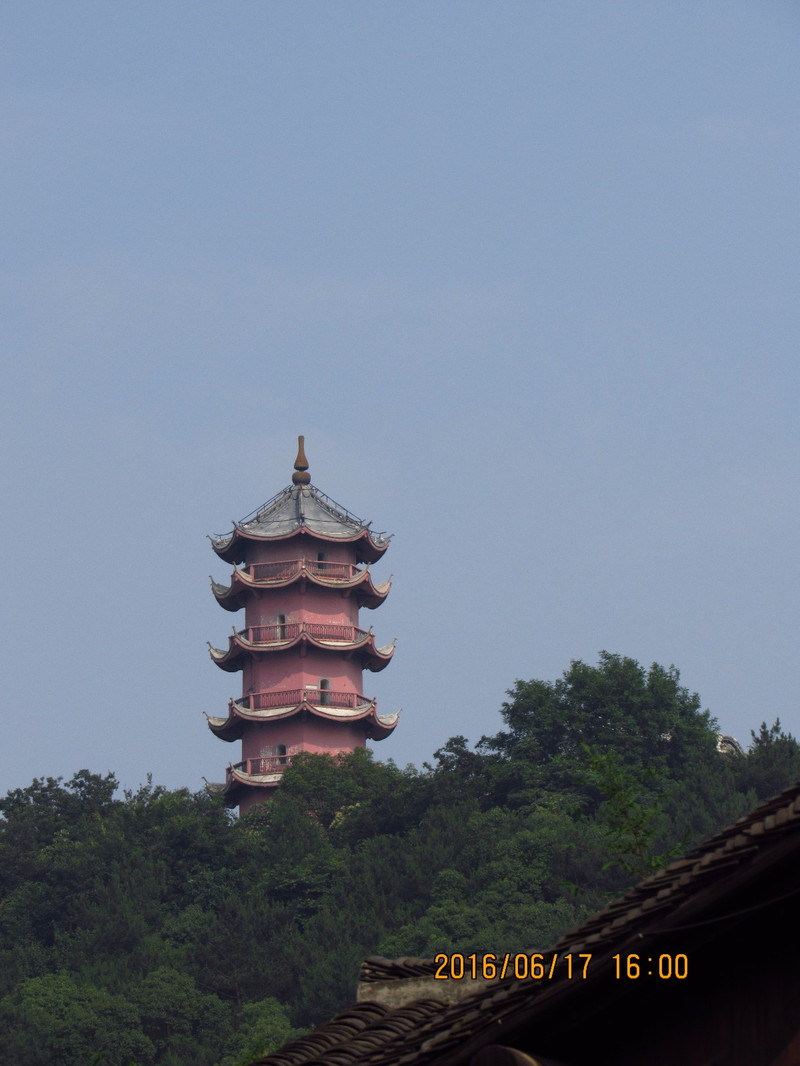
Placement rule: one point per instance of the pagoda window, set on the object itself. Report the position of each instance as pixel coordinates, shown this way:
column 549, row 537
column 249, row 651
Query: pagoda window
column 321, row 557
column 324, row 692
column 280, row 751
column 280, row 629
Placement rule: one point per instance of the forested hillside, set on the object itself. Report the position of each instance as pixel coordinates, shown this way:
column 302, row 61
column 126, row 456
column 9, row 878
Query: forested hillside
column 157, row 929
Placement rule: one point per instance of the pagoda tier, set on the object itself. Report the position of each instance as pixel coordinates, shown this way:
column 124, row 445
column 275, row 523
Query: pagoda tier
column 301, row 702
column 251, row 779
column 346, row 641
column 301, row 649
column 346, row 578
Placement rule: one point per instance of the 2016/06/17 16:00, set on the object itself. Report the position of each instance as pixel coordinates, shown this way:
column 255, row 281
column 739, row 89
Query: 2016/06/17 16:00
column 460, row 967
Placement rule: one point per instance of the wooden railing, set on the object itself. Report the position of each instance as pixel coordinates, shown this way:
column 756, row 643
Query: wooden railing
column 280, row 570
column 273, row 634
column 284, row 569
column 290, row 697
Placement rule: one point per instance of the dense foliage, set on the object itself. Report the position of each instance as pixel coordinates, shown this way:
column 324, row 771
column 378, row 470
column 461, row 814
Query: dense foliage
column 156, row 929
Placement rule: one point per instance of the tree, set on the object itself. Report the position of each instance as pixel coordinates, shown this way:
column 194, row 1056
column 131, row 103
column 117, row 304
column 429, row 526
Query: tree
column 32, row 816
column 264, row 1027
column 647, row 718
column 772, row 762
column 631, row 816
column 54, row 1018
column 182, row 1023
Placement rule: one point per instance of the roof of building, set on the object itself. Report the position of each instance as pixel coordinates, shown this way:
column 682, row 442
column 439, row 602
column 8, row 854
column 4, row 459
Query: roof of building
column 301, row 508
column 699, row 892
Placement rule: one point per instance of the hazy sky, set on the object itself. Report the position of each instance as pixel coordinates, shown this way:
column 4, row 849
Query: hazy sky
column 525, row 274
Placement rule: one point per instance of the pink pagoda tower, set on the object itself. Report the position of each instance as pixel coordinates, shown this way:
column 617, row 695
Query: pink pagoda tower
column 302, row 651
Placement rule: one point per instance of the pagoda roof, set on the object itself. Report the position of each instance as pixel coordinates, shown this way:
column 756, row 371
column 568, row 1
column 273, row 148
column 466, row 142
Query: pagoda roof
column 378, row 727
column 347, row 640
column 301, row 509
column 233, row 597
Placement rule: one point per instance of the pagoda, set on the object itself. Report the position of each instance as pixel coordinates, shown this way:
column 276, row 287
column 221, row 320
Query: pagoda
column 301, row 573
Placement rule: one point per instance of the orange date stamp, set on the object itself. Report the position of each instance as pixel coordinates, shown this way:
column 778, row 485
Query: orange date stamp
column 459, row 967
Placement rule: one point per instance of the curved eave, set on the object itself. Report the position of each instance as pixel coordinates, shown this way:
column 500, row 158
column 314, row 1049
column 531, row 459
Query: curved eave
column 372, row 658
column 234, row 596
column 382, row 725
column 232, row 548
column 379, row 658
column 333, row 714
column 227, row 658
column 229, row 728
column 239, row 777
column 232, row 728
column 370, row 595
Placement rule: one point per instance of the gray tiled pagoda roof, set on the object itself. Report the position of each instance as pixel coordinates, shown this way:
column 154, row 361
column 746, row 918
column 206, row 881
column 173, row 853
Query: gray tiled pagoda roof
column 301, row 507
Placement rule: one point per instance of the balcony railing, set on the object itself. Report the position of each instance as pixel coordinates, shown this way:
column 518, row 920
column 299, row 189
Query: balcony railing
column 290, row 697
column 266, row 764
column 274, row 634
column 284, row 569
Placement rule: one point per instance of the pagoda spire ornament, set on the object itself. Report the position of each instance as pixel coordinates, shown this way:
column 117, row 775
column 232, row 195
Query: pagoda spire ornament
column 302, row 651
column 301, row 475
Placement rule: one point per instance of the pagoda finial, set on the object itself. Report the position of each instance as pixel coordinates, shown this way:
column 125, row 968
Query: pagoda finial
column 301, row 475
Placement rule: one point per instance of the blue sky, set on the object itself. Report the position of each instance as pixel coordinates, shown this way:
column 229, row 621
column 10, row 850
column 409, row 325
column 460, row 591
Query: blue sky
column 524, row 274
